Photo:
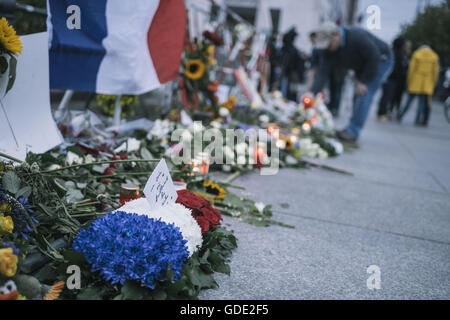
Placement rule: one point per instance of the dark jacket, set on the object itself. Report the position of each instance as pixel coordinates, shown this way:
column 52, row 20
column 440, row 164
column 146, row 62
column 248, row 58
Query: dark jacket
column 361, row 52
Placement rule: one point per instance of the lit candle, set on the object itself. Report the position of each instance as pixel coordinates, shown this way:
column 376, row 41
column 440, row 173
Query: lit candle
column 308, row 102
column 271, row 128
column 260, row 155
column 306, row 127
column 128, row 192
column 200, row 164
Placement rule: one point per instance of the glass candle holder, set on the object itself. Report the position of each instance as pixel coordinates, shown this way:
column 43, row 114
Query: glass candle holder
column 129, row 192
column 200, row 164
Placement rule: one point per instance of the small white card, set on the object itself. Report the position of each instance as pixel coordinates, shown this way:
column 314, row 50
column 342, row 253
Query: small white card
column 160, row 190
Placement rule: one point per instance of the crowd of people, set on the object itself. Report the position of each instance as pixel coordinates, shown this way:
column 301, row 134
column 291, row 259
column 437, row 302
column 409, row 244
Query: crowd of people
column 376, row 65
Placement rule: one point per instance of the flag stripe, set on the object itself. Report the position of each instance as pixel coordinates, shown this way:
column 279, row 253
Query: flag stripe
column 76, row 66
column 127, row 67
column 167, row 31
column 123, row 47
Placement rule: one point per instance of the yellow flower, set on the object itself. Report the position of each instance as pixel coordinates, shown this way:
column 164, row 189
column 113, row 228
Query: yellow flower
column 21, row 297
column 215, row 189
column 8, row 38
column 6, row 225
column 8, row 262
column 5, row 207
column 210, row 50
column 195, row 69
column 212, row 61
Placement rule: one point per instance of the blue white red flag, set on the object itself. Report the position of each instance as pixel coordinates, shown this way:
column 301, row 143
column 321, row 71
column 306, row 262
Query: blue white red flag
column 121, row 46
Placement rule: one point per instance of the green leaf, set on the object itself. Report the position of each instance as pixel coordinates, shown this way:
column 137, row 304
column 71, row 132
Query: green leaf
column 145, row 154
column 12, row 73
column 90, row 294
column 24, row 192
column 11, row 182
column 74, row 195
column 201, row 279
column 223, row 268
column 159, row 295
column 74, row 257
column 132, row 291
column 284, row 205
column 3, row 64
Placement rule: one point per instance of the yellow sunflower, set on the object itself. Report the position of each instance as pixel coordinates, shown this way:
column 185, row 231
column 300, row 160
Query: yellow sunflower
column 195, row 69
column 8, row 38
column 215, row 189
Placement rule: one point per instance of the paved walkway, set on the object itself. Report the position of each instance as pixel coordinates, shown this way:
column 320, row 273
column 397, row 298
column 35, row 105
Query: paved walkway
column 394, row 213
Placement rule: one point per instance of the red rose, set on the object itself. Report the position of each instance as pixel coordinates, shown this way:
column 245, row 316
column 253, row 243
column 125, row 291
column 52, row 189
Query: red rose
column 206, row 216
column 109, row 171
column 123, row 156
column 212, row 215
column 203, row 223
column 215, row 38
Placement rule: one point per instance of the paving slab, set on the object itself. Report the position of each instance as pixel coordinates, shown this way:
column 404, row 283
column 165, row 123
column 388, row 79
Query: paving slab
column 393, row 213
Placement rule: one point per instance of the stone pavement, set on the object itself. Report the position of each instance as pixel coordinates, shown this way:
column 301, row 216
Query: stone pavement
column 394, row 213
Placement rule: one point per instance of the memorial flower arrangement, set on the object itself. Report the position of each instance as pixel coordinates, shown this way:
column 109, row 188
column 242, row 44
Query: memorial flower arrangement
column 10, row 47
column 197, row 86
column 60, row 201
column 177, row 214
column 123, row 246
column 107, row 102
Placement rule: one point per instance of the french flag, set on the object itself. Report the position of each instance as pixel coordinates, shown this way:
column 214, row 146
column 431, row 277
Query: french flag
column 122, row 46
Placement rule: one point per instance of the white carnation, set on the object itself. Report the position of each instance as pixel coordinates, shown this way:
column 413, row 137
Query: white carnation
column 175, row 213
column 241, row 148
column 224, row 112
column 264, row 118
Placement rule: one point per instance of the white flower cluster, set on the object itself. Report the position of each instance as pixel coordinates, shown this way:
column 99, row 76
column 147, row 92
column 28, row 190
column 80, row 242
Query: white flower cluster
column 175, row 213
column 312, row 150
column 239, row 156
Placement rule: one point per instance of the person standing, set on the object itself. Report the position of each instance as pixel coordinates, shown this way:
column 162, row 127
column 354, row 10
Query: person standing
column 395, row 85
column 274, row 59
column 423, row 74
column 292, row 65
column 357, row 49
column 335, row 78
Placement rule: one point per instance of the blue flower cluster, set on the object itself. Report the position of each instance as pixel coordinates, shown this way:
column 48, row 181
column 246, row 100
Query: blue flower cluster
column 123, row 246
column 20, row 210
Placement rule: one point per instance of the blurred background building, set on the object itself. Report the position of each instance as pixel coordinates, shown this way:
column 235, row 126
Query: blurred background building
column 305, row 15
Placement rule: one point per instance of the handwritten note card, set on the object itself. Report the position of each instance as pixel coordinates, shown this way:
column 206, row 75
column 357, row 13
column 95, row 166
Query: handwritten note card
column 159, row 190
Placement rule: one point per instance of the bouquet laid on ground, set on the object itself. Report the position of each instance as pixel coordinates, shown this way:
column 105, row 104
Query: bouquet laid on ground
column 69, row 214
column 197, row 87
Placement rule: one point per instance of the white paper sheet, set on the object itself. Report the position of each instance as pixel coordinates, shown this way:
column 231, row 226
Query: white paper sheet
column 160, row 190
column 27, row 105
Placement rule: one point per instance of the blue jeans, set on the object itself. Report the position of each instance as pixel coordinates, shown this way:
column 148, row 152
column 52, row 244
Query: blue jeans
column 421, row 116
column 363, row 103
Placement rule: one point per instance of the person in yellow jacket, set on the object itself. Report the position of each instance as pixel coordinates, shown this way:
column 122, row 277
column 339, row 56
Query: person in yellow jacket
column 423, row 73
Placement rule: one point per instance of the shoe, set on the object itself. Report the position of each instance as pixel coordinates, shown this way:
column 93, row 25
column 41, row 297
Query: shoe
column 383, row 117
column 345, row 136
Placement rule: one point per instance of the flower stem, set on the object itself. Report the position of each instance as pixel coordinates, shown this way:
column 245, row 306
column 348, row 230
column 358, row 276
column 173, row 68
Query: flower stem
column 10, row 157
column 97, row 163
